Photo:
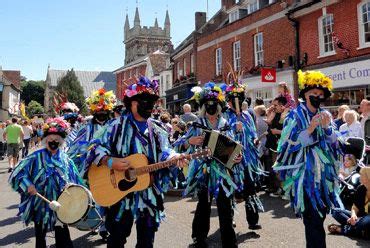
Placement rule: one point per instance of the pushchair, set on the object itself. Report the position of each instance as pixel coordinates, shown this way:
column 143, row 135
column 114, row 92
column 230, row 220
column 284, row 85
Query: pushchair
column 348, row 185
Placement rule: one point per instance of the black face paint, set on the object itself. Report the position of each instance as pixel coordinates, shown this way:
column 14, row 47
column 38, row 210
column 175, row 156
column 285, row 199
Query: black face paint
column 53, row 145
column 211, row 107
column 102, row 117
column 145, row 108
column 316, row 101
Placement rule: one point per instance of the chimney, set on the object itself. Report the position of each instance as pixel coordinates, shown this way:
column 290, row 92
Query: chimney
column 227, row 4
column 200, row 20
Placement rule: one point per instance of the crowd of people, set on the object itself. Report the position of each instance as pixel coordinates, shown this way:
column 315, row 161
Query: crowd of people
column 291, row 149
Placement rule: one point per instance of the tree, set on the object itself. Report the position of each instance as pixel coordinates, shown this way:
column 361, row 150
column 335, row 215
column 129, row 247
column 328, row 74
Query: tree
column 34, row 108
column 72, row 89
column 33, row 91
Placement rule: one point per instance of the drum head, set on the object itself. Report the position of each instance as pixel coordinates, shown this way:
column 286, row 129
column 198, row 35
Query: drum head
column 75, row 202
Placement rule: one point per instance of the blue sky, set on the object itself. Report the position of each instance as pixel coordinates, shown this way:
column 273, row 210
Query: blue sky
column 83, row 34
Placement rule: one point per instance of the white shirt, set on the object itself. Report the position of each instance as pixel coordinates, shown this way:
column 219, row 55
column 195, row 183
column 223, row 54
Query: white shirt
column 27, row 130
column 353, row 130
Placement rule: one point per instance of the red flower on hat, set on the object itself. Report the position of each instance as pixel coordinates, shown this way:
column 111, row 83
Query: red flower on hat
column 101, row 91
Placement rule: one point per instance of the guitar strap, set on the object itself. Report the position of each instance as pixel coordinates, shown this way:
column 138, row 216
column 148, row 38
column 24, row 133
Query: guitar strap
column 115, row 140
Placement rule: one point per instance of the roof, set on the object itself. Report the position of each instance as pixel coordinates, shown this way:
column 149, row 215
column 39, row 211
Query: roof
column 133, row 63
column 14, row 77
column 89, row 80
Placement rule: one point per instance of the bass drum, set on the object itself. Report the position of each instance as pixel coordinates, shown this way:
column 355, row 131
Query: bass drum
column 78, row 208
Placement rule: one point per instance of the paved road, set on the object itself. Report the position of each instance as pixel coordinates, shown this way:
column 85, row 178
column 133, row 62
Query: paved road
column 280, row 227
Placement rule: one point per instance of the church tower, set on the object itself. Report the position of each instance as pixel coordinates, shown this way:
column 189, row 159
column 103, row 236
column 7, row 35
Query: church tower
column 140, row 40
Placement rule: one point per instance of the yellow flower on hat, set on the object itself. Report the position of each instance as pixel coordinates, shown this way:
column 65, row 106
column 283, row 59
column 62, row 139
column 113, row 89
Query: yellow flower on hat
column 101, row 100
column 314, row 78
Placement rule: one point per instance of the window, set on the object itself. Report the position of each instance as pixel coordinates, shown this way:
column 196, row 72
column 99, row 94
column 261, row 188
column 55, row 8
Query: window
column 192, row 63
column 218, row 61
column 168, row 86
column 326, row 42
column 258, row 49
column 363, row 12
column 253, row 6
column 265, row 94
column 130, row 74
column 234, row 16
column 179, row 72
column 137, row 72
column 184, row 66
column 236, row 54
column 161, row 84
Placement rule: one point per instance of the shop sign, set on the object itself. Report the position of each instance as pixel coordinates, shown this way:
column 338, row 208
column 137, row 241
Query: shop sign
column 268, row 75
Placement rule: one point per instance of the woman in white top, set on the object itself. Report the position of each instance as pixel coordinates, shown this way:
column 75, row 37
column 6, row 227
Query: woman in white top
column 352, row 127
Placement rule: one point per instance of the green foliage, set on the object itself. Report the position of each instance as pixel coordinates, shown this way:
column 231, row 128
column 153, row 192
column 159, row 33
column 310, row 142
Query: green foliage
column 72, row 89
column 34, row 108
column 33, row 91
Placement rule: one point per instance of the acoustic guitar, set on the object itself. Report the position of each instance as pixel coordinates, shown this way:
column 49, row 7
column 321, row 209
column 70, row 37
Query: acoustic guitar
column 109, row 186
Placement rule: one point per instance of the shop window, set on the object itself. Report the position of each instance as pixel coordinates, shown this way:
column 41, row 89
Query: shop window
column 192, row 63
column 265, row 94
column 351, row 97
column 363, row 15
column 326, row 43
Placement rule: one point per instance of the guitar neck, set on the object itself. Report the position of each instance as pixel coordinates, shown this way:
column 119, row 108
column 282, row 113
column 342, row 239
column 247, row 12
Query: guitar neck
column 162, row 165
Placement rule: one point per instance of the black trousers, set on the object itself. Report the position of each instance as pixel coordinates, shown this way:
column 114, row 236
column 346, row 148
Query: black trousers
column 201, row 221
column 26, row 147
column 119, row 231
column 251, row 209
column 62, row 237
column 314, row 225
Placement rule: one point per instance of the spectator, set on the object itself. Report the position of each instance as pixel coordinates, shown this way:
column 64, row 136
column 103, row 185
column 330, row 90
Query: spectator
column 261, row 127
column 165, row 119
column 188, row 116
column 351, row 127
column 284, row 91
column 27, row 131
column 259, row 101
column 13, row 135
column 275, row 122
column 2, row 141
column 340, row 120
column 349, row 165
column 250, row 110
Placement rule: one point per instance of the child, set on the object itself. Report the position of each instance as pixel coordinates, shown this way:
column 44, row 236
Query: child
column 284, row 91
column 349, row 165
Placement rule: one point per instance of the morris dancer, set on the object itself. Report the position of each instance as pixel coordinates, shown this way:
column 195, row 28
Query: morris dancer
column 242, row 125
column 69, row 111
column 100, row 104
column 206, row 177
column 46, row 171
column 308, row 157
column 135, row 132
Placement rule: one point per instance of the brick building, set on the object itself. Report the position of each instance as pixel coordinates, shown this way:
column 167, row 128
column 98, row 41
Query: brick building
column 252, row 35
column 334, row 38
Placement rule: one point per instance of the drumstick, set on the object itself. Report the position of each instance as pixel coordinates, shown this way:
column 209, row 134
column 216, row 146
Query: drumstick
column 54, row 205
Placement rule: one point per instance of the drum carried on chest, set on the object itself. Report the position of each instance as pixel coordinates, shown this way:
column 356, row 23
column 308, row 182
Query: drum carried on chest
column 78, row 208
column 223, row 148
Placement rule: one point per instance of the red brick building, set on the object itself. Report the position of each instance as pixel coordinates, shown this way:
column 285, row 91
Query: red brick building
column 334, row 38
column 10, row 88
column 253, row 34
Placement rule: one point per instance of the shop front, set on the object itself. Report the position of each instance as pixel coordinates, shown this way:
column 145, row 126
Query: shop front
column 267, row 91
column 177, row 96
column 351, row 83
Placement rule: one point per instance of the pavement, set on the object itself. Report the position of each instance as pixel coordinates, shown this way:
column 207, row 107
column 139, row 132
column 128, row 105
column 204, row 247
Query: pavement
column 280, row 228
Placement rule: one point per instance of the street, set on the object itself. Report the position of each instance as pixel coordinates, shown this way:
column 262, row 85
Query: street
column 279, row 226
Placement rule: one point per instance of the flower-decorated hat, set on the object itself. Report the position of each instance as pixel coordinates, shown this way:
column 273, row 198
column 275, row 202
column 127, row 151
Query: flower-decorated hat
column 314, row 80
column 56, row 126
column 143, row 88
column 235, row 90
column 69, row 107
column 210, row 92
column 101, row 100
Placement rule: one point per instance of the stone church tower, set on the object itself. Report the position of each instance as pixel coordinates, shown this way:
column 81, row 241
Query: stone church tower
column 140, row 41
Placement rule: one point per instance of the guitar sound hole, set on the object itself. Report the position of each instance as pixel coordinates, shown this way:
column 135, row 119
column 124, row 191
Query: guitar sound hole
column 124, row 185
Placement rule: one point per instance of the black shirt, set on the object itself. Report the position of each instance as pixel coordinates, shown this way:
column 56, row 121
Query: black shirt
column 359, row 200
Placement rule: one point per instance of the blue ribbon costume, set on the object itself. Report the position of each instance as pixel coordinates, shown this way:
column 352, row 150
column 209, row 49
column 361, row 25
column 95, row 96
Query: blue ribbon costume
column 121, row 138
column 246, row 137
column 208, row 172
column 49, row 174
column 78, row 148
column 308, row 164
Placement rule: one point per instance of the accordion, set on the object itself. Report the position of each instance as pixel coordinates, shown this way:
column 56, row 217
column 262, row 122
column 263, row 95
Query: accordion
column 223, row 149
